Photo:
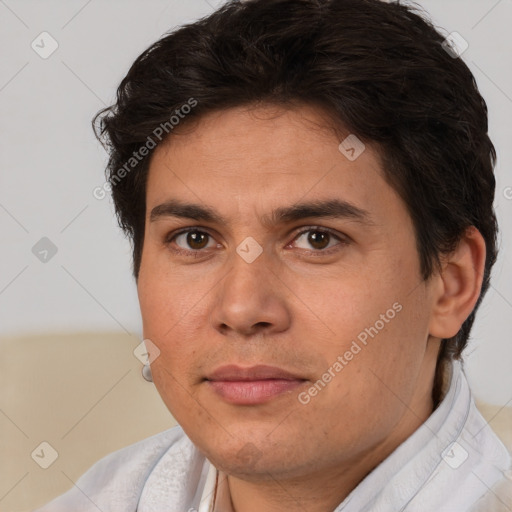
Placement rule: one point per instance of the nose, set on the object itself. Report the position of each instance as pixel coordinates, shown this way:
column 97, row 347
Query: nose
column 250, row 300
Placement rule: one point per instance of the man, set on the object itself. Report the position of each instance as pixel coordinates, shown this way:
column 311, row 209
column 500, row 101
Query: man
column 308, row 186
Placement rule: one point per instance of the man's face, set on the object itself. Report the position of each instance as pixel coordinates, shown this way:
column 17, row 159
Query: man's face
column 334, row 304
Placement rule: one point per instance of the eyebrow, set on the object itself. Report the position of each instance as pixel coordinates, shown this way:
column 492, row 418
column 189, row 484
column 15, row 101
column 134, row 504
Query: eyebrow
column 331, row 208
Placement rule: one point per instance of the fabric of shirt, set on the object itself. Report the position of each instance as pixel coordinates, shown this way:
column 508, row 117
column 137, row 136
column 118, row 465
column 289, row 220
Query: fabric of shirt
column 453, row 462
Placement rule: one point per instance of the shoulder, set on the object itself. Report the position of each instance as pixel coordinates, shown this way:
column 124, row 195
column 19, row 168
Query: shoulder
column 116, row 480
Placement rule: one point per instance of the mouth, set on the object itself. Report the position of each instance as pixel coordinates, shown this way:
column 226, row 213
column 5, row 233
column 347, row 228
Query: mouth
column 253, row 385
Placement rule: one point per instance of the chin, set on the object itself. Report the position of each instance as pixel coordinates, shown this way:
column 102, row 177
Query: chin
column 245, row 460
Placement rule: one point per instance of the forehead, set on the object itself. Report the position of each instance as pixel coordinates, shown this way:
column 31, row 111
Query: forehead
column 265, row 157
column 268, row 132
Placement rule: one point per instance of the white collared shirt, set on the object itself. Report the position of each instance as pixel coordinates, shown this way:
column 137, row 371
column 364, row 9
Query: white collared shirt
column 453, row 462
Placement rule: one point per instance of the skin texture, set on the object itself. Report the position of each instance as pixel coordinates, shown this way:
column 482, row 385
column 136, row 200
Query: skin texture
column 297, row 306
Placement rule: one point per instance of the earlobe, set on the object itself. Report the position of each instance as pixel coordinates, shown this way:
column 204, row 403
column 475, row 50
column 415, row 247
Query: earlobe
column 458, row 285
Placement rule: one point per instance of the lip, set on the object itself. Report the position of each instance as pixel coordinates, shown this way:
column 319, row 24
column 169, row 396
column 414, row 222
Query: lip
column 252, row 385
column 260, row 372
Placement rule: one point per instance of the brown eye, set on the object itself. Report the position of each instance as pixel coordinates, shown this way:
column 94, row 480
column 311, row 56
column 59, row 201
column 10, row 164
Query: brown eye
column 190, row 240
column 318, row 239
column 197, row 239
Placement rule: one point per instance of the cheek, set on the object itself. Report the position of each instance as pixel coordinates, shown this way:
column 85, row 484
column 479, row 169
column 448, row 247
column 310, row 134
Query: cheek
column 379, row 342
column 349, row 307
column 168, row 323
column 164, row 319
column 167, row 299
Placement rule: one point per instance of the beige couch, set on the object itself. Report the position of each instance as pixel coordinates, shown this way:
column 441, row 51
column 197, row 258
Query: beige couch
column 84, row 395
column 81, row 393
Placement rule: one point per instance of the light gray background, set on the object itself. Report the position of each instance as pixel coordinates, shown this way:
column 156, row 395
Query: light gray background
column 50, row 163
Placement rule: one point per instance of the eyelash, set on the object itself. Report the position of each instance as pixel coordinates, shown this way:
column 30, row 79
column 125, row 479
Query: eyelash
column 199, row 252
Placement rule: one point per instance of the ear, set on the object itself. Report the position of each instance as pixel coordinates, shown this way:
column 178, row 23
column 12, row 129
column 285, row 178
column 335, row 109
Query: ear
column 458, row 285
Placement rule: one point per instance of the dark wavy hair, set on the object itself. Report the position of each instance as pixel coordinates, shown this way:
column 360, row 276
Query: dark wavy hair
column 381, row 70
